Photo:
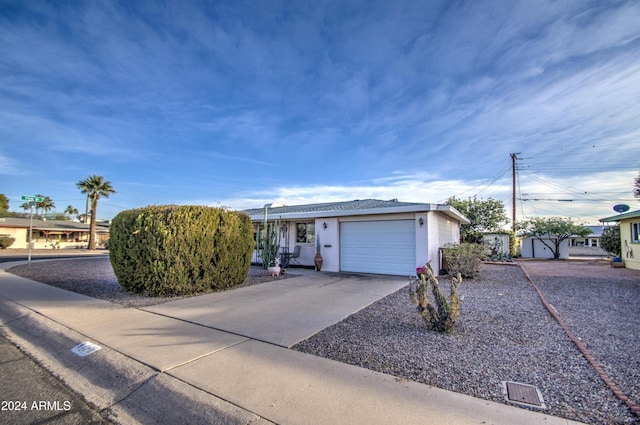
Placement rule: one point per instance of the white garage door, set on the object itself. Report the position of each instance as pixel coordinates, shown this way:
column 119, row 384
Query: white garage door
column 385, row 247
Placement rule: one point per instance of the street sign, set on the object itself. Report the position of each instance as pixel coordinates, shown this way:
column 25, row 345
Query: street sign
column 32, row 198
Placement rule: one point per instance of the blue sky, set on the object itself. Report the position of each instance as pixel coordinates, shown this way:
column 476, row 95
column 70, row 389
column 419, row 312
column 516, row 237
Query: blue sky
column 243, row 103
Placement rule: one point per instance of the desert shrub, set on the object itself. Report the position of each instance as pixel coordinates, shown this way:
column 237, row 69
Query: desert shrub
column 464, row 258
column 180, row 250
column 445, row 314
column 6, row 242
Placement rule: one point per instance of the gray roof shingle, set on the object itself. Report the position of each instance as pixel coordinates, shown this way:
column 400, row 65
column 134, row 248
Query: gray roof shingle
column 48, row 224
column 358, row 204
column 352, row 208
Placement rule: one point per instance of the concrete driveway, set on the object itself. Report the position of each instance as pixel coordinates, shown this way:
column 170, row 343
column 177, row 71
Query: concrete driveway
column 284, row 312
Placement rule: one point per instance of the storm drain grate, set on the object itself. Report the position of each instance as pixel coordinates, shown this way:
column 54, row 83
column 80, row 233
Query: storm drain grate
column 523, row 394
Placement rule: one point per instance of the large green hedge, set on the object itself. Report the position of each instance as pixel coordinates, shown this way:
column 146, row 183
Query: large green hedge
column 180, row 250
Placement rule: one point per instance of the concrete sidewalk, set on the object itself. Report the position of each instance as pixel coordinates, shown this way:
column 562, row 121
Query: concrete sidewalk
column 222, row 358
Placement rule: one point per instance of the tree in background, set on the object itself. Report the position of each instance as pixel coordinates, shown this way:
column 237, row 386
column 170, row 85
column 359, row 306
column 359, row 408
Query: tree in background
column 636, row 187
column 38, row 205
column 4, row 205
column 552, row 231
column 485, row 215
column 47, row 205
column 71, row 211
column 610, row 240
column 26, row 206
column 94, row 187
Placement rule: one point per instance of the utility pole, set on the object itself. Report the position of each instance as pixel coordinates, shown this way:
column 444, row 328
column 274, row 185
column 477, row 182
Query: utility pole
column 514, row 156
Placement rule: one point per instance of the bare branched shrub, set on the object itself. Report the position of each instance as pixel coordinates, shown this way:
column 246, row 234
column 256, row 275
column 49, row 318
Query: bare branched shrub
column 444, row 315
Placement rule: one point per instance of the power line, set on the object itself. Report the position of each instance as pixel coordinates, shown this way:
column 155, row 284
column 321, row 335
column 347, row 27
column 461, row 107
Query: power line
column 494, row 180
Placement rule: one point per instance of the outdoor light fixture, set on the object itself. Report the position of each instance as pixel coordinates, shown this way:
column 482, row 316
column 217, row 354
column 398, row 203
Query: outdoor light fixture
column 324, row 225
column 421, row 221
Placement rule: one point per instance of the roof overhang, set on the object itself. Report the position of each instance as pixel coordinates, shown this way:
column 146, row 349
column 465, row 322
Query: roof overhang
column 447, row 210
column 49, row 225
column 619, row 217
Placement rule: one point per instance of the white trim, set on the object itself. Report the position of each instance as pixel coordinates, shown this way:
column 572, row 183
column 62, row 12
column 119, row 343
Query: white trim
column 446, row 209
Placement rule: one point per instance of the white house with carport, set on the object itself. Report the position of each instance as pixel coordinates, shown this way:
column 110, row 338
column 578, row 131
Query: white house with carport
column 370, row 235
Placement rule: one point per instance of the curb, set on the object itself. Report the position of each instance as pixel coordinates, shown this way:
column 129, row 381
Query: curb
column 121, row 389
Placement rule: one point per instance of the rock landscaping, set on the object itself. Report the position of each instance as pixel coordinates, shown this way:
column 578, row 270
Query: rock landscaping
column 504, row 333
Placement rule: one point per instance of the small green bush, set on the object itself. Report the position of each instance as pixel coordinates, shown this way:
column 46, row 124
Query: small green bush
column 464, row 258
column 180, row 250
column 6, row 242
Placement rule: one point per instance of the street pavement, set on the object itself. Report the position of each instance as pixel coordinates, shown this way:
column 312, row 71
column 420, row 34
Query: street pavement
column 223, row 358
column 30, row 394
column 11, row 255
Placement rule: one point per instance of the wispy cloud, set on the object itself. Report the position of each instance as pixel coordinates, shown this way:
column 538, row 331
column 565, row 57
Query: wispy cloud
column 320, row 101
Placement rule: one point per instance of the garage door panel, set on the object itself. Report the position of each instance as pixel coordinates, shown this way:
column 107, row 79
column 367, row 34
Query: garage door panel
column 386, row 247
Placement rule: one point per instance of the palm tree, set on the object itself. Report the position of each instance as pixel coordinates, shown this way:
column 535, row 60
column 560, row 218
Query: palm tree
column 47, row 205
column 38, row 204
column 71, row 211
column 26, row 207
column 94, row 187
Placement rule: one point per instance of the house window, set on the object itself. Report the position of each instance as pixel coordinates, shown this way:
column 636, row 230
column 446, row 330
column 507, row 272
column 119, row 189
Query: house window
column 306, row 232
column 635, row 232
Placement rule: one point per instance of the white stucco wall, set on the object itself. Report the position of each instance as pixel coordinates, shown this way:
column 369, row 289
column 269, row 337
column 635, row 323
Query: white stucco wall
column 19, row 234
column 436, row 231
column 329, row 244
column 440, row 230
column 422, row 239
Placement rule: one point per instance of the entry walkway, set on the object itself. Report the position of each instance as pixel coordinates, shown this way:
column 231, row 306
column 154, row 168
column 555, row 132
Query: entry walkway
column 222, row 358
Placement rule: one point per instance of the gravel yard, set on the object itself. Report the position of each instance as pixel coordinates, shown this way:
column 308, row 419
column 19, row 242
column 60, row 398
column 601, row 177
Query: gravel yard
column 504, row 332
column 94, row 277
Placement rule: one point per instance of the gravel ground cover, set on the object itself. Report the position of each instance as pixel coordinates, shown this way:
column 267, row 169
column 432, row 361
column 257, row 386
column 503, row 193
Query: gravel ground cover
column 504, row 333
column 94, row 277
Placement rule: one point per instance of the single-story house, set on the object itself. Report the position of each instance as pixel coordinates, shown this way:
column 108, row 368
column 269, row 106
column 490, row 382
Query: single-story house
column 587, row 246
column 55, row 234
column 370, row 235
column 629, row 237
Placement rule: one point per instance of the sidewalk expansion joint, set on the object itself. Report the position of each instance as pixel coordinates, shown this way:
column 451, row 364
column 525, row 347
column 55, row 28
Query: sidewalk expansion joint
column 133, row 391
column 202, row 356
column 248, row 338
column 216, row 396
column 301, row 390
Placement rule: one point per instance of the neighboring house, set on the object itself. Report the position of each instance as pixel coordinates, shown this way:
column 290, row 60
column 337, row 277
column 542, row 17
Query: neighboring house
column 532, row 247
column 629, row 237
column 56, row 234
column 588, row 246
column 372, row 236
